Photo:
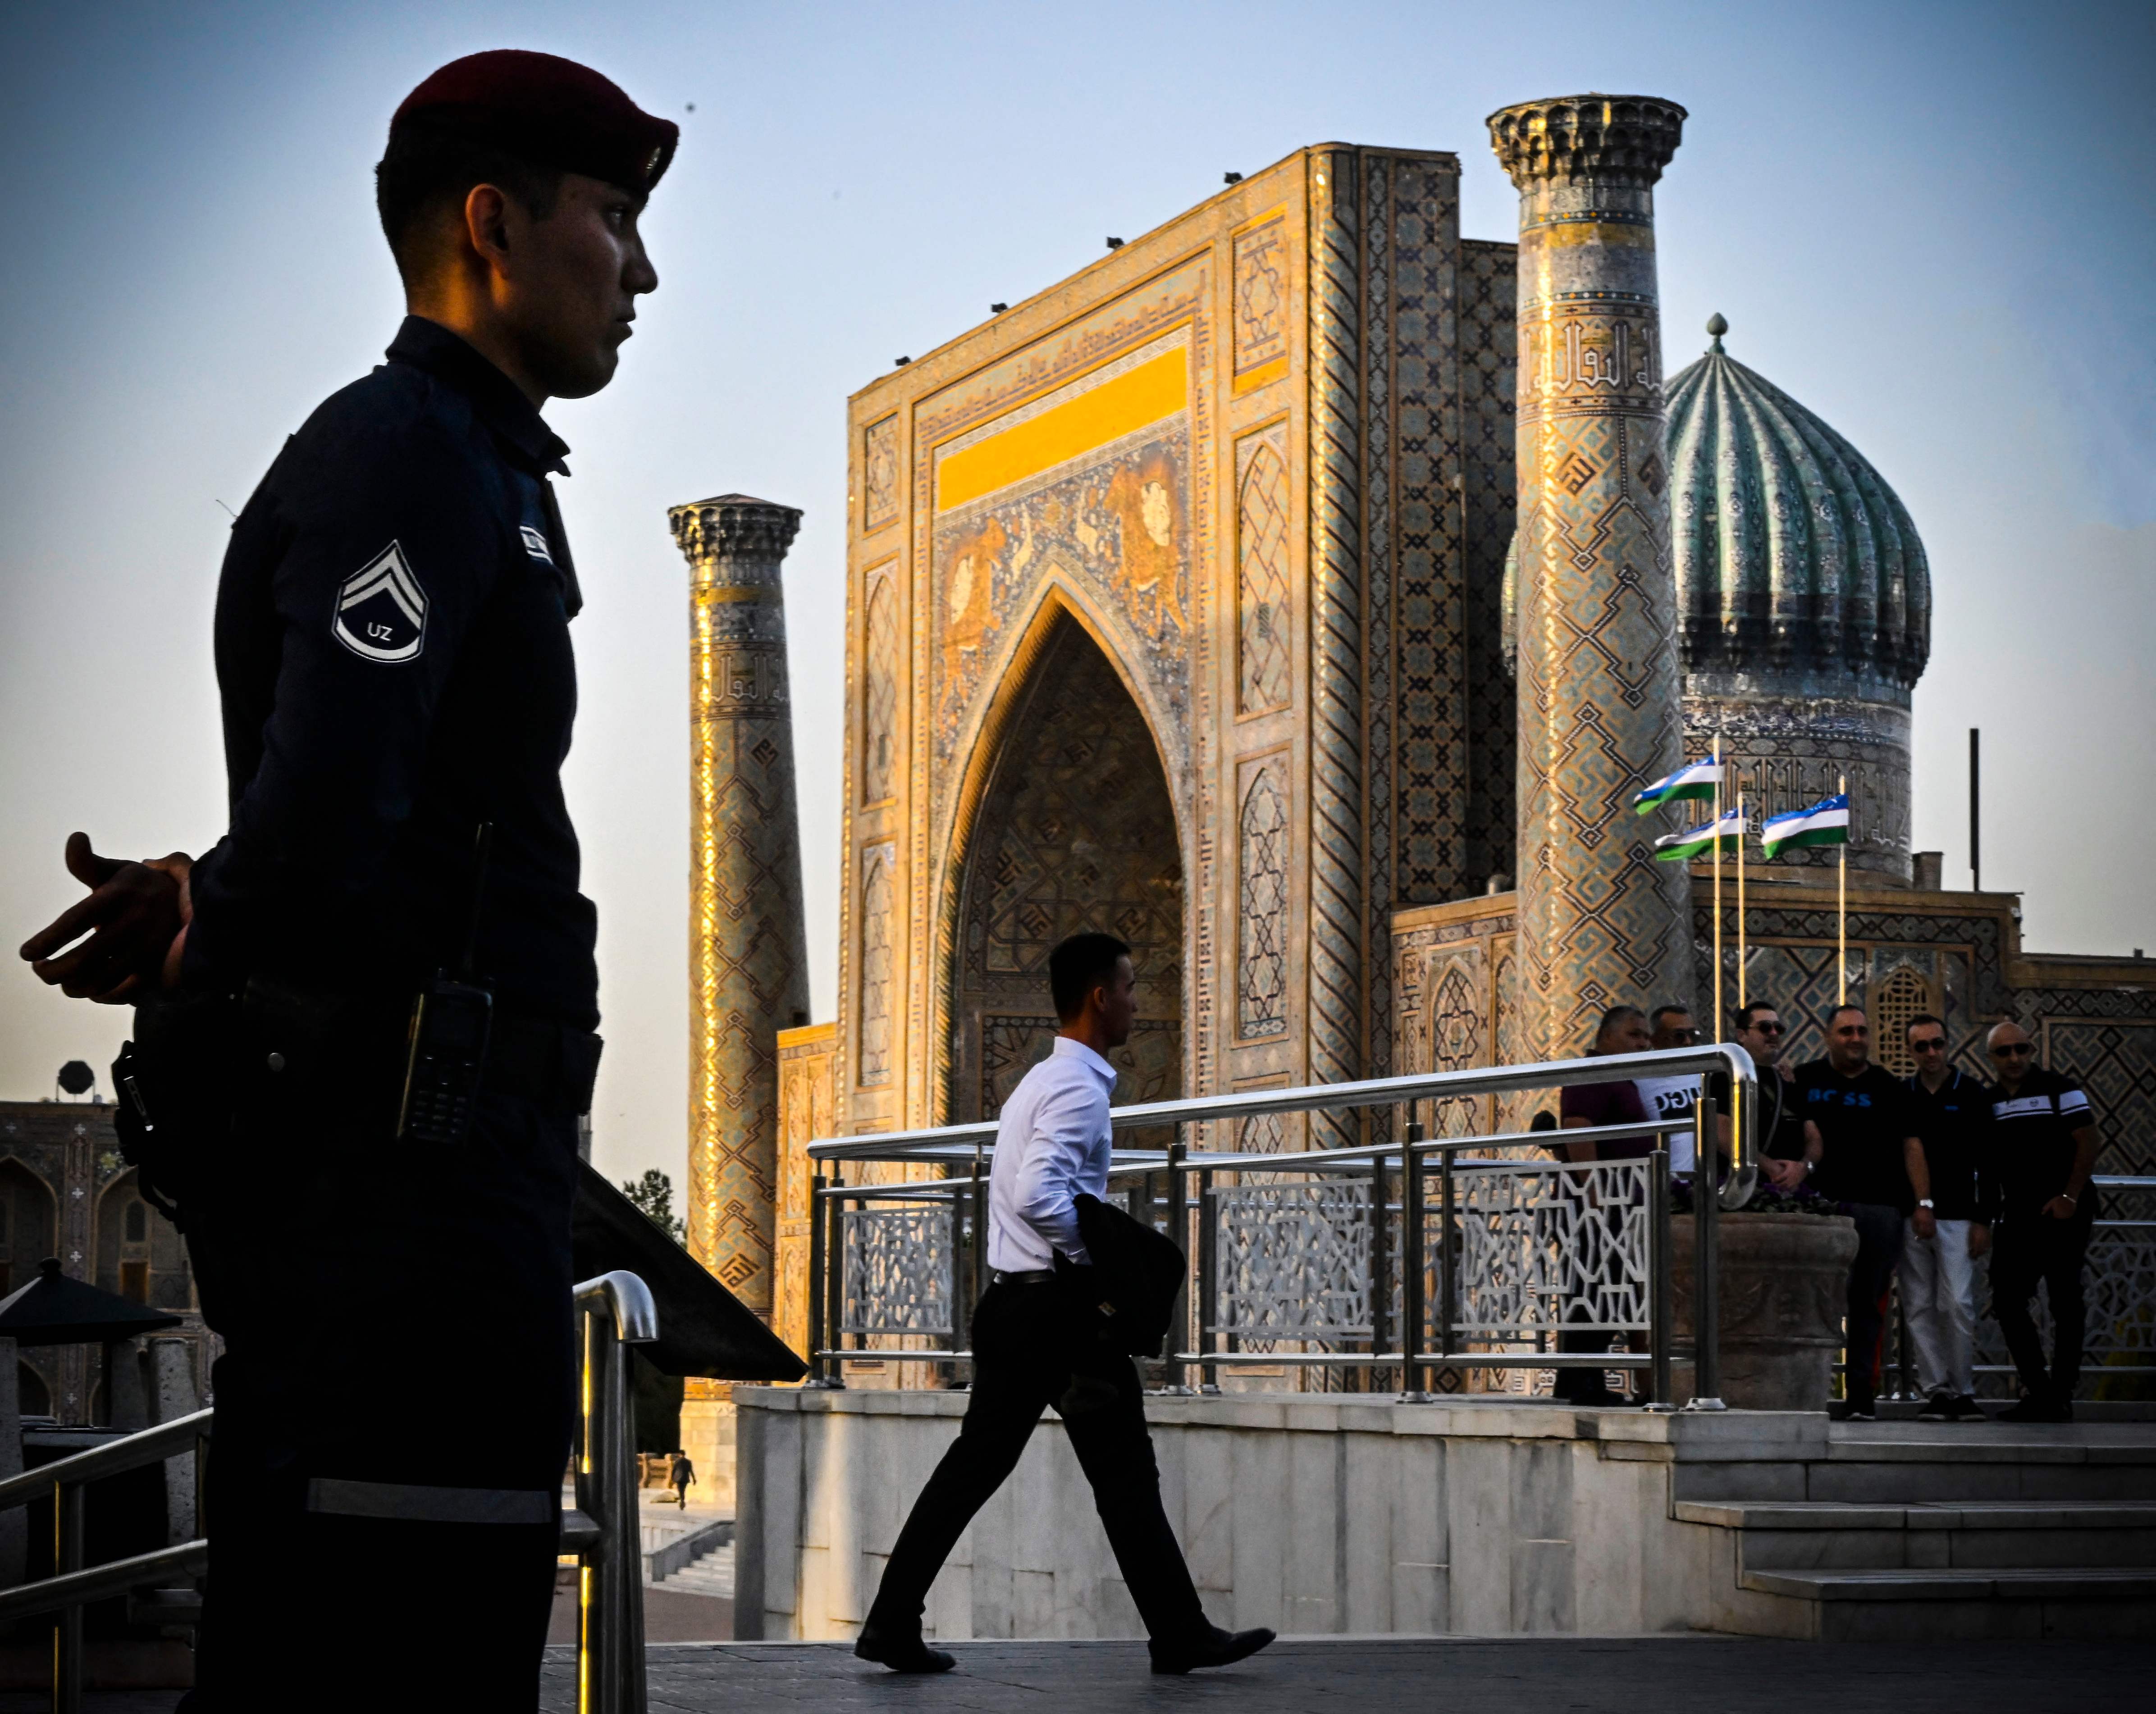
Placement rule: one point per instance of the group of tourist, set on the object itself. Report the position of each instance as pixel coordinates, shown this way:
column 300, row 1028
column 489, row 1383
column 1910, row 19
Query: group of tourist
column 1939, row 1171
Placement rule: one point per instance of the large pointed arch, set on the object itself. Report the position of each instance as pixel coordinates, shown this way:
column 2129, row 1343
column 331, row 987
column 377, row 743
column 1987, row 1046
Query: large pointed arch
column 1065, row 818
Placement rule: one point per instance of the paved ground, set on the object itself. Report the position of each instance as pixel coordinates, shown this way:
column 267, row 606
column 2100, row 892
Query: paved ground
column 1498, row 1675
column 1505, row 1675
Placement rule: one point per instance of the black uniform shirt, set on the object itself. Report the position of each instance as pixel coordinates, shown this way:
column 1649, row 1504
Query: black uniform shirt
column 1863, row 1121
column 2036, row 1141
column 1955, row 1125
column 393, row 654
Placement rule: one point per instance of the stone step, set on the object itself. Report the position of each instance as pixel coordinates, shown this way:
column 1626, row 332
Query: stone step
column 1913, row 1463
column 713, row 1574
column 1943, row 1605
column 1812, row 1535
column 678, row 1555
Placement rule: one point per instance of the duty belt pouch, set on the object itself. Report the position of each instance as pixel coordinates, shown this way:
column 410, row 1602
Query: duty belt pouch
column 332, row 1060
column 177, row 1085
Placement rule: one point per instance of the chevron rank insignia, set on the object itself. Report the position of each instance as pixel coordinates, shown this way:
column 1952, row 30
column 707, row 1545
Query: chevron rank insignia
column 382, row 610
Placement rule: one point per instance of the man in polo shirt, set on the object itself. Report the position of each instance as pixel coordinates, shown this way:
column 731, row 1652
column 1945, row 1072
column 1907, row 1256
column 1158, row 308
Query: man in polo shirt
column 1938, row 1273
column 2046, row 1145
column 1861, row 1150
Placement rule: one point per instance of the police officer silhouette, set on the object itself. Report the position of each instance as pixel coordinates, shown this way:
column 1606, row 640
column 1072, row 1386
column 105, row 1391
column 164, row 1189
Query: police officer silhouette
column 390, row 1271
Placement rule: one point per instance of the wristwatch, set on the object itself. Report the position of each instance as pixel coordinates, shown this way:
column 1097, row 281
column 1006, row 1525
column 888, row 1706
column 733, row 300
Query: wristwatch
column 1924, row 1202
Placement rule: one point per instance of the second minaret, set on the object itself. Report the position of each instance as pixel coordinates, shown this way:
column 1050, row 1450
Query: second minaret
column 1601, row 922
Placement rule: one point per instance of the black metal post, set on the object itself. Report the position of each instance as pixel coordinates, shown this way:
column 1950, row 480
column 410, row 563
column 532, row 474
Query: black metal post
column 1706, row 1296
column 1179, row 1229
column 67, row 1630
column 1381, row 1281
column 1448, row 1306
column 835, row 1278
column 818, row 1333
column 1975, row 806
column 1658, row 1277
column 1209, row 1291
column 1414, row 1310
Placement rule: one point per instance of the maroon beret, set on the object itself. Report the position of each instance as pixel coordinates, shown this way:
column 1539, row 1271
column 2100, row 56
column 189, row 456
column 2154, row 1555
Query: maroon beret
column 552, row 112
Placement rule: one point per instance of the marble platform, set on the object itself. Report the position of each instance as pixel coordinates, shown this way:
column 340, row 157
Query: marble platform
column 1364, row 1516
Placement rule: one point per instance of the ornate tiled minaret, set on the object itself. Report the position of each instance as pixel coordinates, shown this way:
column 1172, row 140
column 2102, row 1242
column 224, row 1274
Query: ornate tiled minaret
column 1600, row 921
column 747, row 961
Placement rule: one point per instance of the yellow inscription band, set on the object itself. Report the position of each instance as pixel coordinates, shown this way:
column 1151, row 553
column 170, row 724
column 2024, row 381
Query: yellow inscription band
column 1153, row 390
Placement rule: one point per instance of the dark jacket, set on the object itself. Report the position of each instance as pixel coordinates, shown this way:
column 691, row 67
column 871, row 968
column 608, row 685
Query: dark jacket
column 393, row 661
column 1136, row 1274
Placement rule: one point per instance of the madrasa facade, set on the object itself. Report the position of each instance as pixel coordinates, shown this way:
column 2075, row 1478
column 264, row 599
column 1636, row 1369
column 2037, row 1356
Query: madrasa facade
column 1301, row 592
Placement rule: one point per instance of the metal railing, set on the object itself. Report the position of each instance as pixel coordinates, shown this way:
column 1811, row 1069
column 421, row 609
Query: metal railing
column 1410, row 1254
column 72, row 1583
column 2118, row 1285
column 603, row 1530
column 617, row 1312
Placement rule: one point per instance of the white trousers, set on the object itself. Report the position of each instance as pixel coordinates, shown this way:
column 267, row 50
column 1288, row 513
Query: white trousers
column 1938, row 1295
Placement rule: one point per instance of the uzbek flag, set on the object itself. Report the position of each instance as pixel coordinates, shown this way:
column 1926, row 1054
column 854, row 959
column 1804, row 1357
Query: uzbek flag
column 1727, row 834
column 1826, row 823
column 1695, row 779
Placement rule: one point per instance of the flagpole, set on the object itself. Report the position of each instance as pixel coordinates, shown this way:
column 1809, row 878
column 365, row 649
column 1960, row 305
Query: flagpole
column 1741, row 830
column 1717, row 843
column 1841, row 909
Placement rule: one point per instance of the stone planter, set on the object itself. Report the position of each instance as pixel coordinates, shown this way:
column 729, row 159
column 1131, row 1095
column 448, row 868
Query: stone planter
column 1785, row 1283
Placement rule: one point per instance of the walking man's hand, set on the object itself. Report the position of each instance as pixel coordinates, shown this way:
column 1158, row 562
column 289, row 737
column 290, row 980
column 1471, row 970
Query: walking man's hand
column 136, row 919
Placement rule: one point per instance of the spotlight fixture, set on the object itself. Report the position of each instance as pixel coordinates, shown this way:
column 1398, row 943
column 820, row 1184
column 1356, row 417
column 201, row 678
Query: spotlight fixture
column 1231, row 178
column 902, row 362
column 1115, row 243
column 998, row 309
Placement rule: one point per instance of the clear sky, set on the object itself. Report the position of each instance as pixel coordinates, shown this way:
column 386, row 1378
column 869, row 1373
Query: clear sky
column 1931, row 224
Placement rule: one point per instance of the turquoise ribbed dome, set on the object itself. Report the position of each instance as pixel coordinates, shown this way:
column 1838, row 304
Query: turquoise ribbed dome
column 1797, row 568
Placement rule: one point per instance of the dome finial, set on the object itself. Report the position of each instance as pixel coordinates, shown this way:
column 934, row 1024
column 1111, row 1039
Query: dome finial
column 1717, row 326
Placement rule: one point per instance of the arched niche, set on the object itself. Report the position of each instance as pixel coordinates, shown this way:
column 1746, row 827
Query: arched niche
column 29, row 1218
column 1074, row 830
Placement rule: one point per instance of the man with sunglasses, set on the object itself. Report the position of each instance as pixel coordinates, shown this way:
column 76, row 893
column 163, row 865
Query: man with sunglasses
column 1938, row 1272
column 2046, row 1147
column 1861, row 1149
column 1760, row 1032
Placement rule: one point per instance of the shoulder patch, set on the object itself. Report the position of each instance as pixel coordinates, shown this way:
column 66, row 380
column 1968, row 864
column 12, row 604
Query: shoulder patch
column 535, row 544
column 382, row 611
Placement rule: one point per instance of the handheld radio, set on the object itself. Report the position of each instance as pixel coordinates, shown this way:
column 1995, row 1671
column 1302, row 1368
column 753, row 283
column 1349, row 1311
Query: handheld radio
column 451, row 1019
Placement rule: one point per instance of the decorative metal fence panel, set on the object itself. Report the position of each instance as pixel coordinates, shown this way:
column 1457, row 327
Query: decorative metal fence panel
column 1545, row 1247
column 1540, row 1246
column 900, row 1271
column 1293, row 1261
column 2118, row 1286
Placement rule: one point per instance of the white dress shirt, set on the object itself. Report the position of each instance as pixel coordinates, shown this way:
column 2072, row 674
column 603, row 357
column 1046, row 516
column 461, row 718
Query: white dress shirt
column 1051, row 1143
column 1671, row 1098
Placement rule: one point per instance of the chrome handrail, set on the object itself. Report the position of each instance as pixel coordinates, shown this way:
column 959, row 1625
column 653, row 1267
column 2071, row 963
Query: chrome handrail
column 610, row 1579
column 973, row 1144
column 603, row 1530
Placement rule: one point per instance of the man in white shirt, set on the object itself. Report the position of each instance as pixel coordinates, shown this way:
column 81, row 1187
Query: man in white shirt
column 1037, row 1343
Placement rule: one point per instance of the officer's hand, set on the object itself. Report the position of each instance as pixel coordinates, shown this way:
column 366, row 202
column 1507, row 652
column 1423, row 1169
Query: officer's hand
column 135, row 917
column 2060, row 1207
column 1925, row 1223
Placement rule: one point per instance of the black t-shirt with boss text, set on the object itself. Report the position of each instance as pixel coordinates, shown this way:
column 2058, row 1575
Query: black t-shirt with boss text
column 1863, row 1122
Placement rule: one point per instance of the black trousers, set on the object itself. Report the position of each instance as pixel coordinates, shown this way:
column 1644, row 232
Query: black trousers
column 394, row 1409
column 1879, row 1232
column 1032, row 1350
column 2030, row 1249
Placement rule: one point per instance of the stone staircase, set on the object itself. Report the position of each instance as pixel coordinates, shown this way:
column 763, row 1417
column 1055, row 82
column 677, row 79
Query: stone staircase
column 1908, row 1532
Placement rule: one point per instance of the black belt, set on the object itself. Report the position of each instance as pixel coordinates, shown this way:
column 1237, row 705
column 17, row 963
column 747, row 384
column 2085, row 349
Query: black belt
column 1025, row 1276
column 361, row 1042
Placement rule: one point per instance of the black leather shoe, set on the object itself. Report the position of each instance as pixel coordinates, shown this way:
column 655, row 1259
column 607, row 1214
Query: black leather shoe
column 2034, row 1409
column 1221, row 1649
column 902, row 1652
